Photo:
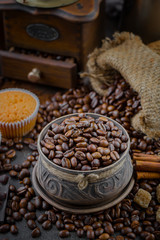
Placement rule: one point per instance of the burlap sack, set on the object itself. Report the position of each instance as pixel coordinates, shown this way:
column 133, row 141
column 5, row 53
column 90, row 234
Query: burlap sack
column 140, row 67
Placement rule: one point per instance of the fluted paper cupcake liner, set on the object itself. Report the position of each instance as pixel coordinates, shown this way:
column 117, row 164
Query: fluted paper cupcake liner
column 22, row 127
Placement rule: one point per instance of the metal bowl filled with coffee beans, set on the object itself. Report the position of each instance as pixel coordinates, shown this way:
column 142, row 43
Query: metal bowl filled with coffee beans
column 84, row 163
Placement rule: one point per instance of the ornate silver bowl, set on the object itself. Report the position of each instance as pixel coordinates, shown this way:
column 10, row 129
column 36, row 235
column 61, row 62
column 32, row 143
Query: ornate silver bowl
column 83, row 191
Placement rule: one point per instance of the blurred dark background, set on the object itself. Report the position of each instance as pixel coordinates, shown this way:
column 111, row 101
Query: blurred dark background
column 141, row 17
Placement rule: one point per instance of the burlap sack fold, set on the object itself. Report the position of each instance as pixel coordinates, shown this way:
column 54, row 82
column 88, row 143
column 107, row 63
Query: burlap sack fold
column 140, row 67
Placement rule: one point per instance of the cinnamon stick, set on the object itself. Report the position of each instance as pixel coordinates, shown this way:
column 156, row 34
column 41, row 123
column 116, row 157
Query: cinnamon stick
column 145, row 166
column 148, row 175
column 146, row 157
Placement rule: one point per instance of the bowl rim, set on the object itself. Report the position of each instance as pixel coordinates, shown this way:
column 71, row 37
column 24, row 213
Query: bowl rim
column 68, row 170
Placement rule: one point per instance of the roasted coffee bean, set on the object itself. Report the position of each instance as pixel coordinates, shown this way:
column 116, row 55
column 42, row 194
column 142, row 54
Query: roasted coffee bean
column 13, row 229
column 149, row 229
column 31, row 191
column 31, row 224
column 146, row 187
column 123, row 147
column 47, row 225
column 30, row 207
column 38, row 202
column 150, row 237
column 104, row 236
column 15, row 206
column 13, row 173
column 8, row 211
column 26, row 164
column 109, row 229
column 96, row 225
column 26, row 181
column 147, row 223
column 11, row 153
column 80, row 232
column 21, row 190
column 51, row 216
column 6, row 161
column 59, row 224
column 80, row 155
column 70, row 227
column 157, row 235
column 42, row 218
column 90, row 234
column 99, row 231
column 127, row 221
column 12, row 188
column 36, row 232
column 118, row 226
column 23, row 203
column 45, row 205
column 17, row 167
column 66, row 219
column 16, row 198
column 87, row 227
column 73, row 162
column 10, row 220
column 24, row 173
column 33, row 146
column 134, row 224
column 30, row 215
column 19, row 146
column 64, row 233
column 22, row 211
column 4, row 228
column 79, row 223
column 30, row 158
column 3, row 149
column 137, row 230
column 92, row 148
column 134, row 218
column 120, row 237
column 17, row 216
column 7, row 167
column 144, row 234
column 126, row 207
column 59, row 215
column 66, row 163
column 86, row 168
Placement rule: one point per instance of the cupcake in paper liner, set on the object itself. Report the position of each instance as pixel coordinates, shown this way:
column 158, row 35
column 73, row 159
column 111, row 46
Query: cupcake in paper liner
column 18, row 112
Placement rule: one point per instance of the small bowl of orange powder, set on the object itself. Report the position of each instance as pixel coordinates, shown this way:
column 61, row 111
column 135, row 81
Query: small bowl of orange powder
column 18, row 112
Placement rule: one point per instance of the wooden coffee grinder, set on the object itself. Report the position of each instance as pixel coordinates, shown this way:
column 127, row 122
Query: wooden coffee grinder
column 47, row 41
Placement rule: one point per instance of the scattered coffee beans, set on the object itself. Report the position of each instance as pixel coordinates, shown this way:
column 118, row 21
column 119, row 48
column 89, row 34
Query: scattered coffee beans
column 126, row 220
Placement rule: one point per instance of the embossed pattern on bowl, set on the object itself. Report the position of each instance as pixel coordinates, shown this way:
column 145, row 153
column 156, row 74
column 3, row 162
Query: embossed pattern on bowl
column 62, row 184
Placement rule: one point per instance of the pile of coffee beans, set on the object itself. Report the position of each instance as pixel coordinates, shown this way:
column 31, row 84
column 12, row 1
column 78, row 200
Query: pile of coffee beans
column 124, row 221
column 84, row 143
